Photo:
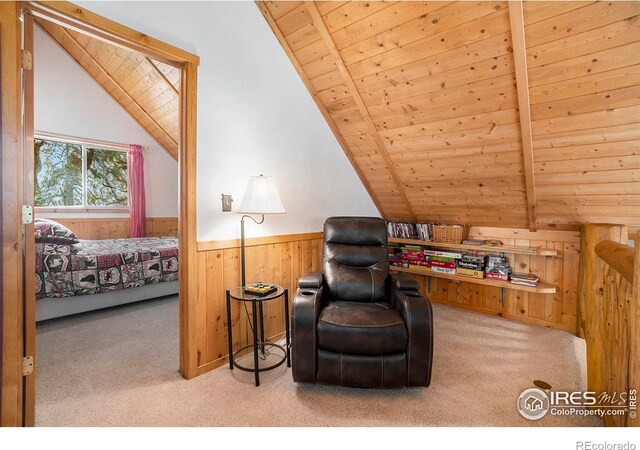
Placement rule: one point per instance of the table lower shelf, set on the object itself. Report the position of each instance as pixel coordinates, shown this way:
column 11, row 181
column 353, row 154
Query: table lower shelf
column 541, row 288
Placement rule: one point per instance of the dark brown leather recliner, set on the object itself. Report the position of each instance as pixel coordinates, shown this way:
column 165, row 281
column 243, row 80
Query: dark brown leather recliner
column 354, row 324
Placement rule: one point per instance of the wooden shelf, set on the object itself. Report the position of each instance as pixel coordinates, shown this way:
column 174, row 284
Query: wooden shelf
column 541, row 288
column 531, row 251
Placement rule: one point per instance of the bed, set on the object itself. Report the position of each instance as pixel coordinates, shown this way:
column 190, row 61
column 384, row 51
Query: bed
column 74, row 276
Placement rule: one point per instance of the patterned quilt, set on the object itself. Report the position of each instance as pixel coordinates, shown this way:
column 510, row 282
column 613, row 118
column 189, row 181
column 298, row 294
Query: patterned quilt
column 92, row 267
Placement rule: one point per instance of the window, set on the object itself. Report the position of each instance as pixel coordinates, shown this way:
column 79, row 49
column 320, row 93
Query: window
column 74, row 174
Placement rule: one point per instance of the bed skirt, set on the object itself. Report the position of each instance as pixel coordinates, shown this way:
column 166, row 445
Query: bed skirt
column 50, row 308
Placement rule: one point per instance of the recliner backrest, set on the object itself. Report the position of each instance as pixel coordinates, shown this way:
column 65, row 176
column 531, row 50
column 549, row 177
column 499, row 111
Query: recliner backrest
column 355, row 261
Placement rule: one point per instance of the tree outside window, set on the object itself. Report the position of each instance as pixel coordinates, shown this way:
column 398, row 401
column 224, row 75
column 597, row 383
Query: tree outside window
column 77, row 175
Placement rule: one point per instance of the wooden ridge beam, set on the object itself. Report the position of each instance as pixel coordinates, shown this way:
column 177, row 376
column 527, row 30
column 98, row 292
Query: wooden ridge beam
column 173, row 148
column 321, row 26
column 516, row 17
column 162, row 75
column 314, row 95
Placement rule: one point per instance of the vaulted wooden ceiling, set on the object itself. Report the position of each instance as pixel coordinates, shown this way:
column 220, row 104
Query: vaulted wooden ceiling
column 145, row 88
column 487, row 113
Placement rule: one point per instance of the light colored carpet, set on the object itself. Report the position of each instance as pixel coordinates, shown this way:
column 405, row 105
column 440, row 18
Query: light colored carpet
column 119, row 368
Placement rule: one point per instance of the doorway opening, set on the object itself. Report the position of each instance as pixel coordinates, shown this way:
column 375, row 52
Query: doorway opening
column 80, row 171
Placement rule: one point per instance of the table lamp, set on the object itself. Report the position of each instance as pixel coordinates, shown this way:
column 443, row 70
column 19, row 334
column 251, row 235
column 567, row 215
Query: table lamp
column 261, row 197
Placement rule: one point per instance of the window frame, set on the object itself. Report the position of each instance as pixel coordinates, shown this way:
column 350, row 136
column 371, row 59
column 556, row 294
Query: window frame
column 85, row 144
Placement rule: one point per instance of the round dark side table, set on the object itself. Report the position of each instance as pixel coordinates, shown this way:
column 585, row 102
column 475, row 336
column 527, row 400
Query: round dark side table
column 239, row 294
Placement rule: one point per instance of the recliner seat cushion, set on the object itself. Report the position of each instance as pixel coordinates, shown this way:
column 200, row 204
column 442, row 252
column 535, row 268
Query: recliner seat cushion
column 361, row 328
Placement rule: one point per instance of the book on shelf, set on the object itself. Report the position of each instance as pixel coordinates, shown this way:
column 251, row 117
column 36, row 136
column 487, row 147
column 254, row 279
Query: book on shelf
column 529, row 277
column 412, row 252
column 474, row 242
column 421, row 231
column 424, row 231
column 448, row 265
column 443, row 254
column 525, row 283
column 469, row 265
column 470, row 273
column 400, row 264
column 497, row 276
column 495, row 260
column 443, row 270
column 473, row 258
column 525, row 279
column 421, row 268
column 412, row 247
column 420, row 263
column 493, row 243
column 412, row 257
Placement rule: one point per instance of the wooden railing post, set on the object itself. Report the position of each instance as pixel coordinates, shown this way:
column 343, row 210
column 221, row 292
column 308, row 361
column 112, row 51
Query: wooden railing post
column 590, row 295
column 590, row 236
column 634, row 333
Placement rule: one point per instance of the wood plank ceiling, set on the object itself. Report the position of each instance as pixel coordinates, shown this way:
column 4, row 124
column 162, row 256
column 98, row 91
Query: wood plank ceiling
column 145, row 88
column 486, row 113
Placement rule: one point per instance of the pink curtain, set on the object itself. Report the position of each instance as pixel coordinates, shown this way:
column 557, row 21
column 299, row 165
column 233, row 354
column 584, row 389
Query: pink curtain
column 137, row 199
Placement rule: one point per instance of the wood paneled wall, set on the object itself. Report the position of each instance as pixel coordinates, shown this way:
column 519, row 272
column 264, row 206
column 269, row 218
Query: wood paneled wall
column 117, row 228
column 486, row 113
column 584, row 66
column 550, row 310
column 278, row 259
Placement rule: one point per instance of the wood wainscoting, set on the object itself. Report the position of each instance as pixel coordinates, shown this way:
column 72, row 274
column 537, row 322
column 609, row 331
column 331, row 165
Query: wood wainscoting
column 550, row 310
column 276, row 259
column 283, row 259
column 117, row 227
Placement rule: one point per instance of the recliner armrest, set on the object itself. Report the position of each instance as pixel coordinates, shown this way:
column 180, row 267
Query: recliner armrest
column 310, row 280
column 306, row 308
column 403, row 282
column 417, row 313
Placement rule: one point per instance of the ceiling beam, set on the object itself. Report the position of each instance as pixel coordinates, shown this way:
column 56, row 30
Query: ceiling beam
column 321, row 26
column 305, row 79
column 162, row 75
column 516, row 17
column 170, row 145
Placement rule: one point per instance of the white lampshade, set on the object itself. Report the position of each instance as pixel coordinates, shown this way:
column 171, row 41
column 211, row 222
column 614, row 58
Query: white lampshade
column 261, row 197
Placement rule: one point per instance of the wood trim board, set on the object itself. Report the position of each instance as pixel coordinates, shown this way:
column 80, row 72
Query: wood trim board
column 11, row 413
column 29, row 243
column 83, row 20
column 516, row 17
column 205, row 246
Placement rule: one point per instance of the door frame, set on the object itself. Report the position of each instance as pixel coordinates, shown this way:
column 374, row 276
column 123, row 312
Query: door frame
column 17, row 392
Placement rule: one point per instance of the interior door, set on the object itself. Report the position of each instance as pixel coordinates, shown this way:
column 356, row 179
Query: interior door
column 29, row 235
